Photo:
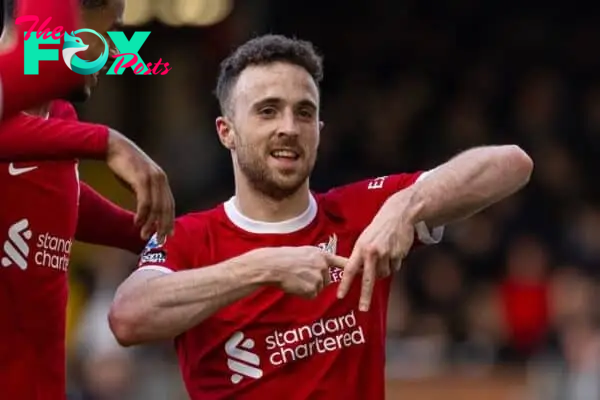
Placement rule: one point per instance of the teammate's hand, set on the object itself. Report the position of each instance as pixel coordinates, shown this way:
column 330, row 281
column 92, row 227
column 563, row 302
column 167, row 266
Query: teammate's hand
column 155, row 204
column 302, row 271
column 378, row 251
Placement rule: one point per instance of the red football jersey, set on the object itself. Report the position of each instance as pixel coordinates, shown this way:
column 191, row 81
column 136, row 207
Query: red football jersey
column 274, row 345
column 38, row 221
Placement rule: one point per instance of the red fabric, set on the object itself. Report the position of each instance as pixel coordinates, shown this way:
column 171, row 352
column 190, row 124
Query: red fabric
column 30, row 138
column 103, row 222
column 263, row 345
column 55, row 80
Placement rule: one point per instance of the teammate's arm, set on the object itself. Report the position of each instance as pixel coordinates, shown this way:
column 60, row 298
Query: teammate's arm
column 153, row 305
column 105, row 223
column 30, row 138
column 20, row 92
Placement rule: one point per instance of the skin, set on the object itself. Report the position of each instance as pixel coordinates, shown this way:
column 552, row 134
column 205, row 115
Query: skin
column 101, row 20
column 272, row 107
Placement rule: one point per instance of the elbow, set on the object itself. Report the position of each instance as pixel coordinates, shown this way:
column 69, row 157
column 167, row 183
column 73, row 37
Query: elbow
column 519, row 163
column 124, row 324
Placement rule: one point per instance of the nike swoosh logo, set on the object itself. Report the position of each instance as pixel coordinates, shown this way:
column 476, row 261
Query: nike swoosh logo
column 14, row 171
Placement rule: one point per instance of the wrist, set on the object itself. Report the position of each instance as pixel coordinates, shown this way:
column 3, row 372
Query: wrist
column 113, row 139
column 257, row 268
column 407, row 206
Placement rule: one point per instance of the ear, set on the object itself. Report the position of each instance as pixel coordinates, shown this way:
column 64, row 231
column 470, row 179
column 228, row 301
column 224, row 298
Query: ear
column 321, row 125
column 225, row 132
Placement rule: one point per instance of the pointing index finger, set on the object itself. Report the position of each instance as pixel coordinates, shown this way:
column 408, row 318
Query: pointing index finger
column 351, row 269
column 336, row 261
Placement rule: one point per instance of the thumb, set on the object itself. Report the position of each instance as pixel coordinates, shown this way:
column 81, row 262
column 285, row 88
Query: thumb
column 336, row 261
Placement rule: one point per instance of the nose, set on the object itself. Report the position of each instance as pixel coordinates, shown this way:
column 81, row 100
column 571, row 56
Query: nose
column 289, row 124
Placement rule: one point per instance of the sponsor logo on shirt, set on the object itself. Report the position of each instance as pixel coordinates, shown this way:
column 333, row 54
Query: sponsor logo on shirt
column 326, row 335
column 240, row 359
column 49, row 250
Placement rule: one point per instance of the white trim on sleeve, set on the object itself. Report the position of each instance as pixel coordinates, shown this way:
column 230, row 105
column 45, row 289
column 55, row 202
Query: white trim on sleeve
column 426, row 235
column 158, row 268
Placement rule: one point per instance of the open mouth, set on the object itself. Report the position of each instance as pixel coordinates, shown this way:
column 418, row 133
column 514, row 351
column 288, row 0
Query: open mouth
column 285, row 154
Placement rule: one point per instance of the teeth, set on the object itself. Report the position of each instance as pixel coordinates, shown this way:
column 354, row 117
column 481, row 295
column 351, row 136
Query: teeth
column 284, row 154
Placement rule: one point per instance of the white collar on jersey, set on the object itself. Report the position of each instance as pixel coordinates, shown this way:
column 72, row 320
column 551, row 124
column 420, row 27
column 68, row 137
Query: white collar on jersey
column 287, row 226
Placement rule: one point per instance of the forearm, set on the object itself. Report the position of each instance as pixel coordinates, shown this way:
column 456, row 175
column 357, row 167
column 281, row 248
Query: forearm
column 166, row 306
column 468, row 183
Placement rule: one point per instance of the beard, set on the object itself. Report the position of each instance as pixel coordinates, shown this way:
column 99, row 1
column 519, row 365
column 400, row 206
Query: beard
column 79, row 95
column 274, row 184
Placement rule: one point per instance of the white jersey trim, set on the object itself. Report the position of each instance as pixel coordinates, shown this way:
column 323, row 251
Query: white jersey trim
column 426, row 235
column 253, row 226
column 158, row 268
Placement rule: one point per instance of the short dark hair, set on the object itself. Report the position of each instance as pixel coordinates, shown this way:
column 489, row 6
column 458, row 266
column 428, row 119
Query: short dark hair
column 264, row 50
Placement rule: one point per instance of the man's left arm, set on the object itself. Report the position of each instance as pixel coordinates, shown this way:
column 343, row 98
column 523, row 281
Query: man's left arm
column 463, row 186
column 468, row 183
column 104, row 223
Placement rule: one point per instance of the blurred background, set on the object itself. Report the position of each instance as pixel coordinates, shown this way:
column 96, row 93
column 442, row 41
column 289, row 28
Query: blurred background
column 506, row 307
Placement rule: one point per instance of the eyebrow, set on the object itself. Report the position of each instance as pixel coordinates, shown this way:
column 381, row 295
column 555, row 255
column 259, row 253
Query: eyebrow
column 277, row 100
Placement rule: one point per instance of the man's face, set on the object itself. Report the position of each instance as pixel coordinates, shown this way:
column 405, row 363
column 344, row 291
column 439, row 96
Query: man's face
column 275, row 127
column 101, row 20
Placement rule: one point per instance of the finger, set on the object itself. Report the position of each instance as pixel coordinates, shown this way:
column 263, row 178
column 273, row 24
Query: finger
column 144, row 198
column 326, row 277
column 167, row 209
column 173, row 205
column 350, row 271
column 397, row 264
column 384, row 268
column 336, row 261
column 152, row 223
column 368, row 282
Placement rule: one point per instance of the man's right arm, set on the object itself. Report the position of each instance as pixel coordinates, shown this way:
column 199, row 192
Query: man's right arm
column 152, row 304
column 29, row 138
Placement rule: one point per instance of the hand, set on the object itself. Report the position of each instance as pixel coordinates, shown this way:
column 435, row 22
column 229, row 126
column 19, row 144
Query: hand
column 302, row 271
column 378, row 251
column 155, row 204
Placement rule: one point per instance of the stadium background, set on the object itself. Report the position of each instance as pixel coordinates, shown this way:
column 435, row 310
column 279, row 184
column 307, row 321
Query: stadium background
column 506, row 308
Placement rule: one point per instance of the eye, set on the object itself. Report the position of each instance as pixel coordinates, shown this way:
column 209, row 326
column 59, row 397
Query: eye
column 306, row 113
column 268, row 111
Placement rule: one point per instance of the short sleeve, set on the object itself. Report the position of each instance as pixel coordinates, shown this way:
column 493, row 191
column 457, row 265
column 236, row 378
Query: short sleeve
column 169, row 256
column 64, row 110
column 362, row 200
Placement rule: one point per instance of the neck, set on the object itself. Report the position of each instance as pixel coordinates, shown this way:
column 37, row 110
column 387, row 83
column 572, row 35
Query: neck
column 257, row 206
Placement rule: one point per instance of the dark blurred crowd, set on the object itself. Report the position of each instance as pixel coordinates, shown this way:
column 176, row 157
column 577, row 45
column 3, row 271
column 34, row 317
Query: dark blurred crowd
column 408, row 85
